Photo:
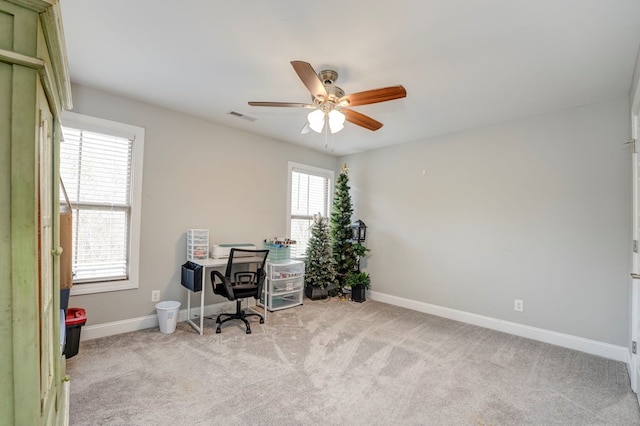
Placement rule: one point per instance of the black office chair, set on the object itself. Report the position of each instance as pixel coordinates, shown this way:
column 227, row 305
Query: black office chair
column 246, row 282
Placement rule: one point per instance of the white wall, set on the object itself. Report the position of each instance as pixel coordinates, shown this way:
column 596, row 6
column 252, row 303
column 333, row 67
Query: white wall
column 537, row 209
column 196, row 175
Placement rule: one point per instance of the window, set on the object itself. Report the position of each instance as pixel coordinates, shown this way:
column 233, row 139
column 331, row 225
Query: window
column 101, row 169
column 310, row 191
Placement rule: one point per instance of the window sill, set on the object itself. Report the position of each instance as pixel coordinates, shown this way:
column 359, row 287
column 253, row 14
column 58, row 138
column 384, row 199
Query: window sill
column 102, row 287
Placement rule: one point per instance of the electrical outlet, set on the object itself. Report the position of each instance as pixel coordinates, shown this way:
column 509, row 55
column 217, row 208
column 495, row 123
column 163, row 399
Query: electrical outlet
column 518, row 305
column 155, row 296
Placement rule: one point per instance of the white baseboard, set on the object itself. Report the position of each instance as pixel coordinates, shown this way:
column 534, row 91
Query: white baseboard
column 150, row 321
column 605, row 350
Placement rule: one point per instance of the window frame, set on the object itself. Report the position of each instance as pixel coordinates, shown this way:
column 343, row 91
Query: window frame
column 137, row 134
column 310, row 170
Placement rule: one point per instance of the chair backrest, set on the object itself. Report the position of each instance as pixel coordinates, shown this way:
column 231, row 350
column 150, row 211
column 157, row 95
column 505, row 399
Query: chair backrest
column 256, row 258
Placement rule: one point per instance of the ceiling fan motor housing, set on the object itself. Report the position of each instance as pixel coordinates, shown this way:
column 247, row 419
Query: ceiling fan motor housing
column 328, row 78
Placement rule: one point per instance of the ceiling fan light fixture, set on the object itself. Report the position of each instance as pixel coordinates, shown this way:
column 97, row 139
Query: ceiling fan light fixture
column 336, row 127
column 316, row 120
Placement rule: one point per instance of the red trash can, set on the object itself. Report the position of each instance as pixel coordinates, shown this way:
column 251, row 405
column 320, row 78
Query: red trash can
column 76, row 318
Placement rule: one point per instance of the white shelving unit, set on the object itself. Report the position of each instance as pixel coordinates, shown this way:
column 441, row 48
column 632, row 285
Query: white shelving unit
column 284, row 285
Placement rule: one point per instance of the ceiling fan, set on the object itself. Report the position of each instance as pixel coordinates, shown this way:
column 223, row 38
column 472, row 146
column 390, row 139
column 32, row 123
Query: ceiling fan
column 330, row 104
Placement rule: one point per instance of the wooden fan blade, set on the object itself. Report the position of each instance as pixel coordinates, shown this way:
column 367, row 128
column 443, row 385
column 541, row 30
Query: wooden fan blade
column 282, row 104
column 360, row 119
column 310, row 79
column 374, row 96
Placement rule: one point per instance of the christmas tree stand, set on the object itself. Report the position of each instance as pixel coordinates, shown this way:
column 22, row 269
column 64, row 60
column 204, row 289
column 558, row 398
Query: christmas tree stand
column 316, row 292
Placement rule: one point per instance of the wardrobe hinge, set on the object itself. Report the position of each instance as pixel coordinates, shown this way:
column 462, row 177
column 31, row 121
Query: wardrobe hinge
column 635, row 246
column 634, row 347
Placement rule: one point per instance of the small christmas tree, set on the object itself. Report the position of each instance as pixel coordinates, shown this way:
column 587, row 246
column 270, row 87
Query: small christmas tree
column 319, row 264
column 341, row 233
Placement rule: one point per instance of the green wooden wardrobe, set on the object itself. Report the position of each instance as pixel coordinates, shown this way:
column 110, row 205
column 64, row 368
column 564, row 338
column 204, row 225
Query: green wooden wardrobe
column 34, row 89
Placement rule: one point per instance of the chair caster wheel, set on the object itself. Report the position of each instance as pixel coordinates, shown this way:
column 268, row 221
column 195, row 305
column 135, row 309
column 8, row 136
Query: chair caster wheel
column 218, row 331
column 261, row 320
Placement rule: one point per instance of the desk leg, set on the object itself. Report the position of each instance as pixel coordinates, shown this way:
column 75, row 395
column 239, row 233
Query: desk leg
column 189, row 319
column 204, row 282
column 188, row 305
column 199, row 329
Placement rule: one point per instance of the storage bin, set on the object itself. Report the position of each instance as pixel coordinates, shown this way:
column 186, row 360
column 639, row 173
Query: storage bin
column 288, row 300
column 192, row 276
column 75, row 319
column 286, row 269
column 283, row 286
column 197, row 244
column 277, row 252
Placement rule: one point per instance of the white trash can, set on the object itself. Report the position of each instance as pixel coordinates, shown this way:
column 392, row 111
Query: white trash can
column 167, row 316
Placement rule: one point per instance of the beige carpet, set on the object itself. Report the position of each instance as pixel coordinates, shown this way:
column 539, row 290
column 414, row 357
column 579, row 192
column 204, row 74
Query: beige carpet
column 344, row 363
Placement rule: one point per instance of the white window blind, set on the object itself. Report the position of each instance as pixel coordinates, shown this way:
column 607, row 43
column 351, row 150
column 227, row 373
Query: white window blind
column 96, row 171
column 310, row 193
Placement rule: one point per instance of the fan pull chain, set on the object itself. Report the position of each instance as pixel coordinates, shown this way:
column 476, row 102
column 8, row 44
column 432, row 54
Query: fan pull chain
column 326, row 133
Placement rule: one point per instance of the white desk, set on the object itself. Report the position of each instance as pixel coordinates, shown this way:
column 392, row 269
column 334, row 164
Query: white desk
column 212, row 263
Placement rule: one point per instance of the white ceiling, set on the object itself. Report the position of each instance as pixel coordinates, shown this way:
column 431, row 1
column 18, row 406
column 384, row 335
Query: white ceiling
column 464, row 63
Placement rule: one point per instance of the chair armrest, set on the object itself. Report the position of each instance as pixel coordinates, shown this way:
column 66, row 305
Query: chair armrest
column 224, row 281
column 215, row 274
